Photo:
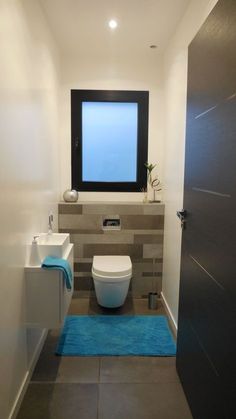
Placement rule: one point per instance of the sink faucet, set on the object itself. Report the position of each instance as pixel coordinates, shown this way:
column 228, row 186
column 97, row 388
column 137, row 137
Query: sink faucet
column 50, row 220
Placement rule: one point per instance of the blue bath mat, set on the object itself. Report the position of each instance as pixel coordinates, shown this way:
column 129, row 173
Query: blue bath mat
column 116, row 335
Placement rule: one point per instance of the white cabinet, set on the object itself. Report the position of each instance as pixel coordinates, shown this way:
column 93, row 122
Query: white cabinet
column 47, row 298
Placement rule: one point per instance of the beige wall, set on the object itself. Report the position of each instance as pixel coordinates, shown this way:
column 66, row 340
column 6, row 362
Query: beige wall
column 28, row 174
column 175, row 91
column 112, row 72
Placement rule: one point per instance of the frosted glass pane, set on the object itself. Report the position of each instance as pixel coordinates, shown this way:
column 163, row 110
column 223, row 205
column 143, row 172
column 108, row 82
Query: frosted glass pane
column 109, row 143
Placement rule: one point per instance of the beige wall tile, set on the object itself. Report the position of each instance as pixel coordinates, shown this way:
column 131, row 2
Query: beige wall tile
column 112, row 209
column 113, row 249
column 119, row 209
column 117, row 237
column 152, row 251
column 78, row 251
column 80, row 231
column 154, row 209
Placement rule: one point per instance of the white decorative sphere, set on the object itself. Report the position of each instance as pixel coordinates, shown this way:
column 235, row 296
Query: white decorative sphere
column 70, row 195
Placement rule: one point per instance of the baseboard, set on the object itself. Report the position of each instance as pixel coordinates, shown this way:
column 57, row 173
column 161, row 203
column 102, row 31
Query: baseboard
column 16, row 406
column 170, row 315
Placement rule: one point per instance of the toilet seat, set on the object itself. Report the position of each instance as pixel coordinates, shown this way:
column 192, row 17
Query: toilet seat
column 112, row 266
column 111, row 276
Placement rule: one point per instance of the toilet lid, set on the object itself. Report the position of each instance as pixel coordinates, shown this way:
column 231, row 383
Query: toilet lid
column 112, row 265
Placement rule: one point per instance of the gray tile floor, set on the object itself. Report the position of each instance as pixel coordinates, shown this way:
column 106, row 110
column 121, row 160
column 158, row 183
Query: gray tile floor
column 103, row 387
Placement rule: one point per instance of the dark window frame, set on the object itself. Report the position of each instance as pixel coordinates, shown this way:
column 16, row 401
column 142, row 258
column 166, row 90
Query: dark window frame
column 139, row 97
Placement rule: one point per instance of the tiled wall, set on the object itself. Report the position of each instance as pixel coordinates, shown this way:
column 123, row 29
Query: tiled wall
column 140, row 237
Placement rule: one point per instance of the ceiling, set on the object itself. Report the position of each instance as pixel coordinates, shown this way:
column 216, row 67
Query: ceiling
column 80, row 26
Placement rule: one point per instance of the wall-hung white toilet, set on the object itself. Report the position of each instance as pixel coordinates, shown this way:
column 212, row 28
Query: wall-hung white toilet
column 111, row 275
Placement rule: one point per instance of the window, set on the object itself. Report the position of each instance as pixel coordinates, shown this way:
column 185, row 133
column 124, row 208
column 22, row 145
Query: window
column 109, row 140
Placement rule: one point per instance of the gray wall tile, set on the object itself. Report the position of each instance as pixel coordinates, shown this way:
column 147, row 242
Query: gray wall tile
column 148, row 238
column 152, row 274
column 142, row 286
column 83, row 284
column 147, row 267
column 82, row 222
column 64, row 208
column 83, row 267
column 142, row 221
column 148, row 232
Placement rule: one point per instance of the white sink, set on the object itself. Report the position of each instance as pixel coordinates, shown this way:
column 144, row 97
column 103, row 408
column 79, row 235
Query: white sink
column 54, row 244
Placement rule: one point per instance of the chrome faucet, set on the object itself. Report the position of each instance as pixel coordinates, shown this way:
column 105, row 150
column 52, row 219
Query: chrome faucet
column 50, row 221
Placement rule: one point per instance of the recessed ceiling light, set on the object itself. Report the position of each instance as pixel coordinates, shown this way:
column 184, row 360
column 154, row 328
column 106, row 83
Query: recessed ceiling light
column 112, row 24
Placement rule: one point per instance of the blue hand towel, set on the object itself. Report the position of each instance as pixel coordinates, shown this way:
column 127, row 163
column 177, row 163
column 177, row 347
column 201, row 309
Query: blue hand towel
column 63, row 265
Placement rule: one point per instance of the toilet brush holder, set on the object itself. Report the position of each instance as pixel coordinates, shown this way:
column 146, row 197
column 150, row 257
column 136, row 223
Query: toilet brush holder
column 152, row 300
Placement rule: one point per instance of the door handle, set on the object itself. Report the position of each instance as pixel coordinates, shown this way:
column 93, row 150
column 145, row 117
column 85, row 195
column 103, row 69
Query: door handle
column 182, row 215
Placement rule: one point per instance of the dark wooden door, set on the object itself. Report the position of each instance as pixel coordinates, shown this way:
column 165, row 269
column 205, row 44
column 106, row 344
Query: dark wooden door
column 206, row 344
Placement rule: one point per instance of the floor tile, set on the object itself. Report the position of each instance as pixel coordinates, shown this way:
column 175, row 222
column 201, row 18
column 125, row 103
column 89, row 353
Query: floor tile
column 48, row 363
column 106, row 387
column 76, row 369
column 60, row 401
column 141, row 307
column 142, row 401
column 79, row 306
column 95, row 308
column 54, row 368
column 131, row 306
column 138, row 370
column 53, row 336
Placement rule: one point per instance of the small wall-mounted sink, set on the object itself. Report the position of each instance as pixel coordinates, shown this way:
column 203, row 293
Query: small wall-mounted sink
column 46, row 287
column 55, row 244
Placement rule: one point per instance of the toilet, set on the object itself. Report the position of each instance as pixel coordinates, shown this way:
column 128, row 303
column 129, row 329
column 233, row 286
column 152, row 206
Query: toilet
column 111, row 276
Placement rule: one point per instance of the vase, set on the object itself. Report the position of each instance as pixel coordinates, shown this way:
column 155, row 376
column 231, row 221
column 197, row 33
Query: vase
column 70, row 195
column 145, row 198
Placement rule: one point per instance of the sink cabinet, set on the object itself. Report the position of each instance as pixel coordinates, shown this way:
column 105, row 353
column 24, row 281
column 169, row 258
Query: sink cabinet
column 47, row 298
